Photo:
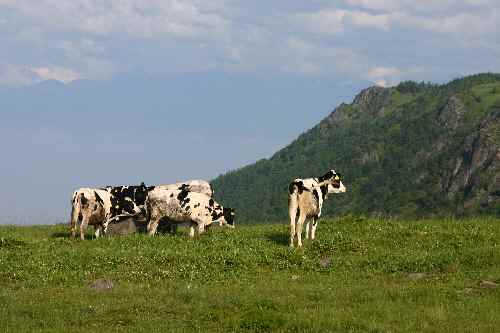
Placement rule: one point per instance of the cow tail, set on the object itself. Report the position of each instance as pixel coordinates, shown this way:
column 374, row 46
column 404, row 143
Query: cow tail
column 293, row 191
column 147, row 213
column 75, row 212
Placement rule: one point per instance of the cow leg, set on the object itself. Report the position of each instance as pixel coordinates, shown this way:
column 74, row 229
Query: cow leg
column 191, row 230
column 105, row 225
column 73, row 229
column 300, row 223
column 98, row 229
column 292, row 210
column 307, row 228
column 83, row 226
column 152, row 225
column 313, row 227
column 74, row 226
column 201, row 228
column 292, row 230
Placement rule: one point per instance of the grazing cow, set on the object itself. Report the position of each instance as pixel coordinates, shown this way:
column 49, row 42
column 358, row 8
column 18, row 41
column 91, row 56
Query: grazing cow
column 196, row 185
column 130, row 201
column 119, row 204
column 179, row 207
column 90, row 207
column 307, row 196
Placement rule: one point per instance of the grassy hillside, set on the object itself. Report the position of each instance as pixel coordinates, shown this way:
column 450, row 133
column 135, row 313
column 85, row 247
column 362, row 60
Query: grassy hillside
column 359, row 276
column 414, row 150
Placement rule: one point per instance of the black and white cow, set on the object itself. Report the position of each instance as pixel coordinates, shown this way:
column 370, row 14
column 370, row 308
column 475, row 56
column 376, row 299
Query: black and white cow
column 128, row 202
column 180, row 207
column 90, row 207
column 111, row 204
column 306, row 196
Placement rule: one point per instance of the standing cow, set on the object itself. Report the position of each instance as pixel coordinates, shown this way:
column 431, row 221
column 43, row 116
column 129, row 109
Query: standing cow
column 306, row 196
column 196, row 209
column 112, row 204
column 90, row 207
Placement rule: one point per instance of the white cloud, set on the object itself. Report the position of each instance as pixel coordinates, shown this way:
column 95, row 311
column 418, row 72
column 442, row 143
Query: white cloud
column 368, row 20
column 354, row 38
column 334, row 21
column 408, row 5
column 384, row 76
column 137, row 18
column 463, row 26
column 14, row 75
column 56, row 73
column 325, row 21
column 377, row 72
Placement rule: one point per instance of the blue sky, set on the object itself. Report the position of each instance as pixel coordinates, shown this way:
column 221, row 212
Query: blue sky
column 162, row 90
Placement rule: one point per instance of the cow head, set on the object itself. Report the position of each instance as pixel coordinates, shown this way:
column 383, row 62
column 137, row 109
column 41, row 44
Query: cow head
column 333, row 184
column 331, row 178
column 336, row 185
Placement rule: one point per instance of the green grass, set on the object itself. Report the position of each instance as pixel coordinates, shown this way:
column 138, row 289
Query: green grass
column 353, row 278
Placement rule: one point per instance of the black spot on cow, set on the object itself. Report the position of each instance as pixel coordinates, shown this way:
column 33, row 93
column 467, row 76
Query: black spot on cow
column 316, row 195
column 326, row 176
column 211, row 202
column 324, row 191
column 197, row 205
column 83, row 200
column 140, row 194
column 299, row 185
column 216, row 215
column 98, row 199
column 187, row 208
column 183, row 187
column 182, row 195
column 171, row 195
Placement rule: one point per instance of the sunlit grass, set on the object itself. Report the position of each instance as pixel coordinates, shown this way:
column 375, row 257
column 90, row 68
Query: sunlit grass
column 357, row 276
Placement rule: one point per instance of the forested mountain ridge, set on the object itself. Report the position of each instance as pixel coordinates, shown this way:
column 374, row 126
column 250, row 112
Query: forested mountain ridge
column 414, row 150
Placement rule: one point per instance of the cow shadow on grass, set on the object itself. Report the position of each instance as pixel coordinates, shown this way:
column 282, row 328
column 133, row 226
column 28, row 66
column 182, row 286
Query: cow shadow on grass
column 280, row 238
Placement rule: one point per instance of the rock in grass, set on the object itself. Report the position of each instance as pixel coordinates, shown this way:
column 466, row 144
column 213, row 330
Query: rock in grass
column 325, row 262
column 417, row 276
column 468, row 290
column 488, row 284
column 127, row 226
column 101, row 285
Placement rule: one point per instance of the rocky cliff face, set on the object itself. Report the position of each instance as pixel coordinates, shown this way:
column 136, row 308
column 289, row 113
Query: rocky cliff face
column 478, row 168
